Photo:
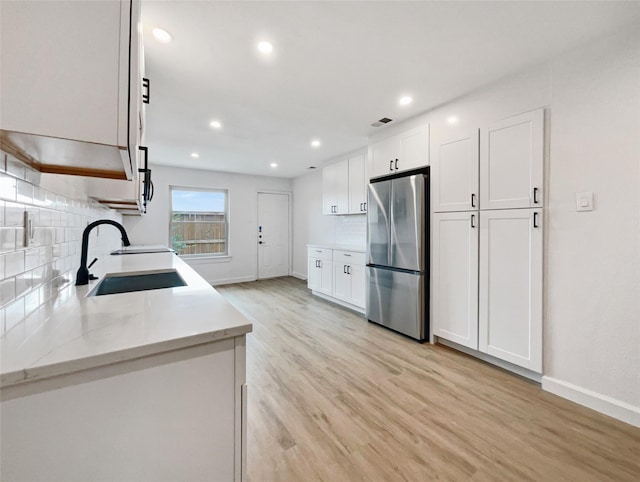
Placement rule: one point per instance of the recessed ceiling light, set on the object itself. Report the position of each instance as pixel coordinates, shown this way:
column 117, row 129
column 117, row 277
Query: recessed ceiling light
column 274, row 164
column 452, row 120
column 162, row 36
column 265, row 47
column 315, row 143
column 405, row 100
column 195, row 155
column 215, row 124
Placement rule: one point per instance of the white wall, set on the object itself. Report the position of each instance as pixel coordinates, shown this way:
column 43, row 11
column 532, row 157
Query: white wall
column 241, row 265
column 592, row 266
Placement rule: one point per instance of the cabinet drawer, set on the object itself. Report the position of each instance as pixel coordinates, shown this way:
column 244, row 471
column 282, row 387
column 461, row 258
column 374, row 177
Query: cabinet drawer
column 349, row 257
column 320, row 253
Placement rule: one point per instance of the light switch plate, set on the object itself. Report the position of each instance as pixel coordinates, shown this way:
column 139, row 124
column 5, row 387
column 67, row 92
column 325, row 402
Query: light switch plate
column 584, row 201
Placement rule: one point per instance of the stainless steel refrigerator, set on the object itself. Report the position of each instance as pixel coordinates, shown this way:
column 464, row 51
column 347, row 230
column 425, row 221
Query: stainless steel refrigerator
column 398, row 253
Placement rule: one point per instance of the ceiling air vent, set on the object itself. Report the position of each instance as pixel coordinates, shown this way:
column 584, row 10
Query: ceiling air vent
column 381, row 122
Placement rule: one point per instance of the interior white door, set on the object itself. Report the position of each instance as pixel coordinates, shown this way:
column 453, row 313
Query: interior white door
column 510, row 315
column 511, row 162
column 454, row 170
column 273, row 235
column 454, row 291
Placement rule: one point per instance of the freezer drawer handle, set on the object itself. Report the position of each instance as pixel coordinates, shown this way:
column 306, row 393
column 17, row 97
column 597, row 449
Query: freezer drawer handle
column 473, row 220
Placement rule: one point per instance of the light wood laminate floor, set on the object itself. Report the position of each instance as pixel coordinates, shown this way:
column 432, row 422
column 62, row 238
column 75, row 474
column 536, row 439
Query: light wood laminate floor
column 333, row 397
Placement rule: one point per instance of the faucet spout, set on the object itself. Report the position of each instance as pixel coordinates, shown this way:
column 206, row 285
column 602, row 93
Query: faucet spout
column 83, row 276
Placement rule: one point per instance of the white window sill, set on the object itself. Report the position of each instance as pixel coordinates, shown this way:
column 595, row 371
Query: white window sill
column 206, row 259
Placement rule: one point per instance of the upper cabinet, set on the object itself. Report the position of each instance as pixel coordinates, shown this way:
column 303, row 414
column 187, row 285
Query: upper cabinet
column 344, row 186
column 401, row 152
column 71, row 86
column 511, row 162
column 455, row 173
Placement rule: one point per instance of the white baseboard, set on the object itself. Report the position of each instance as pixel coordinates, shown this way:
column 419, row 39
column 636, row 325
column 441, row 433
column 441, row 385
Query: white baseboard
column 601, row 403
column 228, row 281
column 355, row 308
column 301, row 276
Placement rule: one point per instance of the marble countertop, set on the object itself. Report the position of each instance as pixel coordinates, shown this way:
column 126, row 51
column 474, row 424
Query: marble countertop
column 342, row 247
column 76, row 332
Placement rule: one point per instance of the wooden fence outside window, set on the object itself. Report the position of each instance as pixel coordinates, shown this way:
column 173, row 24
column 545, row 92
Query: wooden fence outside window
column 199, row 232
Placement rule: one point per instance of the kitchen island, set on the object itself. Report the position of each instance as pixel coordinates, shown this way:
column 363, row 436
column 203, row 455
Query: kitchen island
column 144, row 385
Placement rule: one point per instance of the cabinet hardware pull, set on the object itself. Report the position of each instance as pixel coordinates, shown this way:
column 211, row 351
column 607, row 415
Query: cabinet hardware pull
column 391, row 165
column 535, row 220
column 344, row 268
column 146, row 84
column 365, row 207
column 319, row 263
column 348, row 269
column 473, row 200
column 535, row 195
column 473, row 219
column 396, row 164
column 346, row 254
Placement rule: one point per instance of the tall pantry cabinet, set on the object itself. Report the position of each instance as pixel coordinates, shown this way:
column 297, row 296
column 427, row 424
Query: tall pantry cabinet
column 487, row 239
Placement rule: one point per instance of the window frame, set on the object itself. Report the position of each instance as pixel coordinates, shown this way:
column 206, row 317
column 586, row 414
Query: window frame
column 227, row 252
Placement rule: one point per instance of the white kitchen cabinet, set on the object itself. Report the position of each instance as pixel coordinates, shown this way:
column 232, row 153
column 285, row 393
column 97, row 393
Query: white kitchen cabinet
column 320, row 270
column 124, row 196
column 358, row 182
column 401, row 152
column 511, row 162
column 510, row 312
column 178, row 415
column 454, row 275
column 335, row 188
column 455, row 173
column 349, row 277
column 72, row 86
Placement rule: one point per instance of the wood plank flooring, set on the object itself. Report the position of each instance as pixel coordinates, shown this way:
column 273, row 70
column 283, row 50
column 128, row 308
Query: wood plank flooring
column 335, row 398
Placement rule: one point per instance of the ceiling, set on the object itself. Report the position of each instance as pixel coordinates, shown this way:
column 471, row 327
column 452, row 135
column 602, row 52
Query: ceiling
column 336, row 68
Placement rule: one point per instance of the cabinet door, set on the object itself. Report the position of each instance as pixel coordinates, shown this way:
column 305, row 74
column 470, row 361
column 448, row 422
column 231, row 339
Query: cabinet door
column 511, row 162
column 510, row 317
column 357, row 185
column 358, row 281
column 414, row 149
column 341, row 286
column 326, row 276
column 328, row 193
column 341, row 186
column 382, row 156
column 314, row 274
column 455, row 173
column 455, row 277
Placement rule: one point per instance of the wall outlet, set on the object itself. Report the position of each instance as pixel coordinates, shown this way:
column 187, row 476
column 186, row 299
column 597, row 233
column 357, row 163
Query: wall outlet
column 584, row 201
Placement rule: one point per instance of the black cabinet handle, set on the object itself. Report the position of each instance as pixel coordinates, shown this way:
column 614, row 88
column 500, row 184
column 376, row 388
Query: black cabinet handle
column 365, row 207
column 535, row 220
column 473, row 200
column 344, row 268
column 473, row 219
column 396, row 164
column 348, row 269
column 535, row 195
column 391, row 165
column 153, row 189
column 146, row 85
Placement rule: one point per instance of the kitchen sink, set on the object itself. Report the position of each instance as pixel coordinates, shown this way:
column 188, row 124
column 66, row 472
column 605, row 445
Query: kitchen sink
column 140, row 281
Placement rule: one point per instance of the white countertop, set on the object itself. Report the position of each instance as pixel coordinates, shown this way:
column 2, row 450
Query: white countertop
column 341, row 247
column 74, row 332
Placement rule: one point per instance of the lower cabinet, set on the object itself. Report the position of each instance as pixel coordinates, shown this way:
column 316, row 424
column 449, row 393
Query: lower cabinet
column 487, row 282
column 320, row 270
column 340, row 275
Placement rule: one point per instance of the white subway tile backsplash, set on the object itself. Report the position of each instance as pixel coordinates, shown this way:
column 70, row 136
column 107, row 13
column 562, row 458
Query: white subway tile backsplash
column 34, row 274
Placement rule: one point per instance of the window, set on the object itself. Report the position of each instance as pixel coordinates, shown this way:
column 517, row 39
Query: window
column 199, row 222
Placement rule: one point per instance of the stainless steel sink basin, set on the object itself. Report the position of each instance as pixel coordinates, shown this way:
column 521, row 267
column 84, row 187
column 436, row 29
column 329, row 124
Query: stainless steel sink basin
column 140, row 281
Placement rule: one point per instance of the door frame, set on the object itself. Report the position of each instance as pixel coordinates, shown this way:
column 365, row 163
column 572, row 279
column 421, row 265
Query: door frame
column 290, row 233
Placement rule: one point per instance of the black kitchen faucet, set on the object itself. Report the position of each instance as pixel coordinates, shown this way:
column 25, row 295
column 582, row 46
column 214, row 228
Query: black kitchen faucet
column 83, row 276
